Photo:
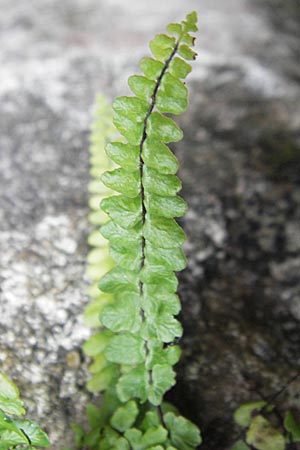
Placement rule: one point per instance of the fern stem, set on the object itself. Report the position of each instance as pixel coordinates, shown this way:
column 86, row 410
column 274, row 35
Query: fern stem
column 144, row 211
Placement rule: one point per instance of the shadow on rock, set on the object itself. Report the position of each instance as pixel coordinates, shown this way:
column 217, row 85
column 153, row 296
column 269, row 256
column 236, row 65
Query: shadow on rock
column 240, row 292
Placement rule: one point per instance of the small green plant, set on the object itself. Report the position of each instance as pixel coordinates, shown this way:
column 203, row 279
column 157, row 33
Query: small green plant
column 133, row 353
column 14, row 431
column 259, row 431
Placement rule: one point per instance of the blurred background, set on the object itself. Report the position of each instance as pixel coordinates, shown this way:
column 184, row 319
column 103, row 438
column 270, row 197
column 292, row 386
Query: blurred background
column 239, row 160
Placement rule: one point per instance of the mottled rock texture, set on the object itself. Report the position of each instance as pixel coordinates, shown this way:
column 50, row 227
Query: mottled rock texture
column 240, row 162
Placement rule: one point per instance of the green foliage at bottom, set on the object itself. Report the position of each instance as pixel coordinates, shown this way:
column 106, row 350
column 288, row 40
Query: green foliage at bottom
column 15, row 432
column 257, row 419
column 118, row 426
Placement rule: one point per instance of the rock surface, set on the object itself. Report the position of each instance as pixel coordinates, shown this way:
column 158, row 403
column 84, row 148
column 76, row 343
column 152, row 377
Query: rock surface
column 240, row 163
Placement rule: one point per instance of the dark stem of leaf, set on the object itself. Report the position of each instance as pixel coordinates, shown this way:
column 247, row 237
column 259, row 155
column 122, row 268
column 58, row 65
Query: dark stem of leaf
column 144, row 137
column 144, row 211
column 26, row 436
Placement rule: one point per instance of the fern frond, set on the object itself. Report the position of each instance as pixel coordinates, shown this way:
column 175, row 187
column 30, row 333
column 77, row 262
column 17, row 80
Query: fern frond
column 144, row 213
column 134, row 354
column 99, row 261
